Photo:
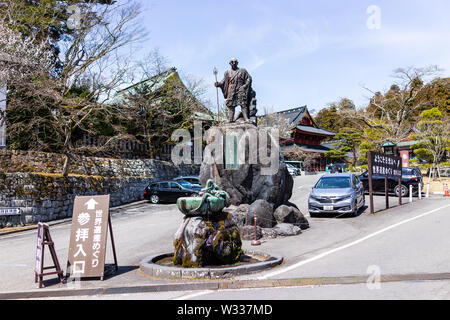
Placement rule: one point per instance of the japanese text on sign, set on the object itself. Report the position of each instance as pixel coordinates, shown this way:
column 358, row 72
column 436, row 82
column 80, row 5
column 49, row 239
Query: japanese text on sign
column 88, row 237
column 387, row 166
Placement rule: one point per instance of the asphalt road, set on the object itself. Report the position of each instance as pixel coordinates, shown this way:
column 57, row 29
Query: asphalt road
column 410, row 241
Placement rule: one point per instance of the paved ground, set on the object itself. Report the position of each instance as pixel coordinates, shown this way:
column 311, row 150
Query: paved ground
column 422, row 290
column 409, row 243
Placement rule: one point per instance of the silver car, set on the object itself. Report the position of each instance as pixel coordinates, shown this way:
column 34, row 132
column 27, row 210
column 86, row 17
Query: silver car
column 337, row 193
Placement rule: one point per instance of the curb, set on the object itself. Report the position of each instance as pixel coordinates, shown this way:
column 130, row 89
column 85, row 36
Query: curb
column 222, row 285
column 65, row 220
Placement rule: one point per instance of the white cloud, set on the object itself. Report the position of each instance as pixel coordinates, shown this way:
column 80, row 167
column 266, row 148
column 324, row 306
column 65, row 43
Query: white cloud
column 257, row 44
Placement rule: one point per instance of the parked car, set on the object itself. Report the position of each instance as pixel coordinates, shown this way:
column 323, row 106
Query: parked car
column 167, row 191
column 336, row 193
column 294, row 171
column 195, row 181
column 410, row 176
column 443, row 172
column 189, row 185
column 337, row 167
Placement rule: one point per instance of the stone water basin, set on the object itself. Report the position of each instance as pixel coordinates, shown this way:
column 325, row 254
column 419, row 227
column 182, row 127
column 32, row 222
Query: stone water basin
column 161, row 266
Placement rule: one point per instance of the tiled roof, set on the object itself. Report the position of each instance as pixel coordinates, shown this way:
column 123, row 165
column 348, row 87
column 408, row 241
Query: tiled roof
column 334, row 144
column 158, row 81
column 155, row 82
column 307, row 148
column 315, row 130
column 407, row 143
column 294, row 115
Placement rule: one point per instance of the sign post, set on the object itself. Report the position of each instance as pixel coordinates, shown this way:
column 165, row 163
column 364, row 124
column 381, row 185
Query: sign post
column 87, row 249
column 386, row 192
column 389, row 167
column 43, row 239
column 369, row 163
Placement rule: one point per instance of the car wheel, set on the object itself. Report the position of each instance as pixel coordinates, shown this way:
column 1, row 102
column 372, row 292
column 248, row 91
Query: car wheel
column 195, row 195
column 154, row 199
column 404, row 191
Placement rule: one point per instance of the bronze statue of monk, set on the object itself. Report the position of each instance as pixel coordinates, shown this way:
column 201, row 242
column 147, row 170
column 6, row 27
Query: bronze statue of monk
column 237, row 90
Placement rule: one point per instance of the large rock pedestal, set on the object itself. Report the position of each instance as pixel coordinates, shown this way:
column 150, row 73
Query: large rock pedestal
column 229, row 160
column 203, row 241
column 246, row 181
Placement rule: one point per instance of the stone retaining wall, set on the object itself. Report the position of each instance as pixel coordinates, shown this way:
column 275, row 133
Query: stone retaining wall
column 32, row 181
column 34, row 161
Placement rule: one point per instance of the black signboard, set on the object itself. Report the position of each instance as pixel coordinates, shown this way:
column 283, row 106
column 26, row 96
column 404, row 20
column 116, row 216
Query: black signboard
column 386, row 166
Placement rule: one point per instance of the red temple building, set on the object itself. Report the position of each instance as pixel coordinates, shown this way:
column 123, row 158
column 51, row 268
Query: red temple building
column 308, row 137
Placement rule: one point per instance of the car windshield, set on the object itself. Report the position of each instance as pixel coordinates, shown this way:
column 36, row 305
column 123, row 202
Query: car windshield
column 411, row 171
column 185, row 184
column 333, row 183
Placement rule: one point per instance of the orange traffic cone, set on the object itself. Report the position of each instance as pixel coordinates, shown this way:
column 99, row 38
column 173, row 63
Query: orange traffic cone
column 446, row 191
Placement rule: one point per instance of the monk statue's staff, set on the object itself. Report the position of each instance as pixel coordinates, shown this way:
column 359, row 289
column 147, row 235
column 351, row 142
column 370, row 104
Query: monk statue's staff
column 217, row 92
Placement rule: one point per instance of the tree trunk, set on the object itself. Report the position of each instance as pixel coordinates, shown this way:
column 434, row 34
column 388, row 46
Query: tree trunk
column 66, row 166
column 438, row 171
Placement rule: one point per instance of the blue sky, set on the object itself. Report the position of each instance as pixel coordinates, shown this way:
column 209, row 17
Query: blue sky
column 300, row 52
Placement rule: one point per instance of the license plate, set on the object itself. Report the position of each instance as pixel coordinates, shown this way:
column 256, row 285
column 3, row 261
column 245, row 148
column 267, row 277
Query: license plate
column 328, row 208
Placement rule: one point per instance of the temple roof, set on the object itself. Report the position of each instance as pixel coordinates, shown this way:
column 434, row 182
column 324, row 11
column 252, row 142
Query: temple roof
column 306, row 148
column 314, row 130
column 158, row 81
column 294, row 115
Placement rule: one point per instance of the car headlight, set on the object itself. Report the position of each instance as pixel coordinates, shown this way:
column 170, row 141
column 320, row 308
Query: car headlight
column 348, row 197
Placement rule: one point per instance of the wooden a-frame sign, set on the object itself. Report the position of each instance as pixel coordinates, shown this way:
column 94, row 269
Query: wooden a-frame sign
column 44, row 238
column 87, row 250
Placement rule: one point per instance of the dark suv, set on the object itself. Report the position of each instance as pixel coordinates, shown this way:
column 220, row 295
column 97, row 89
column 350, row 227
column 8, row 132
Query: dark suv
column 168, row 191
column 410, row 176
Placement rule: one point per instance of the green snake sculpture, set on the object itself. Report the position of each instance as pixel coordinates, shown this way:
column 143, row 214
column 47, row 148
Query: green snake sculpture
column 212, row 201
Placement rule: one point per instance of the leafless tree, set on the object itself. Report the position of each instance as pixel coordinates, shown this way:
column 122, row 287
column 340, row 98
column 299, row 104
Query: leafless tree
column 276, row 121
column 393, row 111
column 161, row 108
column 61, row 106
column 307, row 158
column 20, row 58
column 151, row 65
